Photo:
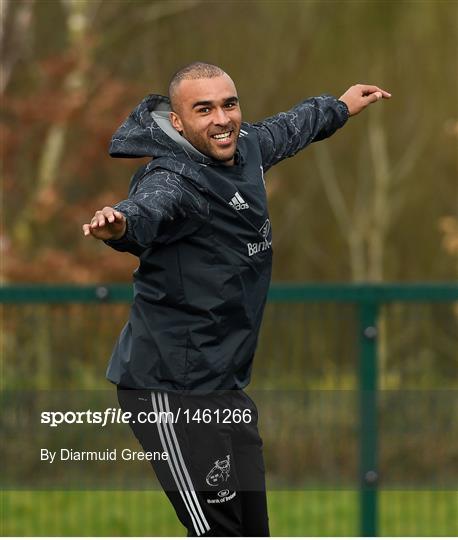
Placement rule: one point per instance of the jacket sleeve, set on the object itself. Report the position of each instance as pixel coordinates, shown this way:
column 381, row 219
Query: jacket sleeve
column 162, row 210
column 284, row 134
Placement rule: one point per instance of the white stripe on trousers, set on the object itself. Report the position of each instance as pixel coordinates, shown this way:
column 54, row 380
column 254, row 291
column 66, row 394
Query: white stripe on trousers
column 180, row 456
column 186, row 491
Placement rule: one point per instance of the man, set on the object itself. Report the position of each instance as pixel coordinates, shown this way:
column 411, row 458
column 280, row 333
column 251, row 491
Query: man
column 197, row 218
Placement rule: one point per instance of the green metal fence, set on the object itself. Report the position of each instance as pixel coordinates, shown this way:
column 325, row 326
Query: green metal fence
column 377, row 364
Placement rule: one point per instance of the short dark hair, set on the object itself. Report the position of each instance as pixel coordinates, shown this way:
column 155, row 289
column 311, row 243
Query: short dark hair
column 196, row 70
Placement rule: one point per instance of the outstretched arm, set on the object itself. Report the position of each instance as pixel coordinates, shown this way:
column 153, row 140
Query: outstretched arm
column 162, row 209
column 283, row 135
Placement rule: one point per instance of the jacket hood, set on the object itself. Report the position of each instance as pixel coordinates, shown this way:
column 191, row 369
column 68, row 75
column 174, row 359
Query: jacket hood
column 147, row 132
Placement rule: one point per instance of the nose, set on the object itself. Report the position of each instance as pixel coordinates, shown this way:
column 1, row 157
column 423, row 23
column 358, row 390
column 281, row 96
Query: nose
column 221, row 117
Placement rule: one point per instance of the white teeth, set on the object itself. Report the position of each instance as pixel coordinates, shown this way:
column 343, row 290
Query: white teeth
column 222, row 135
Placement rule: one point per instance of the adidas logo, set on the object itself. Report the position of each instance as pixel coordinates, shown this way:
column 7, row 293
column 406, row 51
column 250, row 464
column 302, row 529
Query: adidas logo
column 238, row 203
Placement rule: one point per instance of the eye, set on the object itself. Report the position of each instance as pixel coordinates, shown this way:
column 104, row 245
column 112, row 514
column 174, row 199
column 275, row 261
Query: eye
column 230, row 105
column 204, row 110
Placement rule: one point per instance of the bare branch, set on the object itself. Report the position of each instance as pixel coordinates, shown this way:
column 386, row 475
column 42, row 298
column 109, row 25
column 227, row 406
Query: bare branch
column 406, row 163
column 13, row 42
column 381, row 217
column 352, row 228
column 4, row 7
column 157, row 11
column 362, row 211
column 331, row 186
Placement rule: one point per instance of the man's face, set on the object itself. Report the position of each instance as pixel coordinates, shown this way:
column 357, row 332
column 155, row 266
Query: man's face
column 208, row 115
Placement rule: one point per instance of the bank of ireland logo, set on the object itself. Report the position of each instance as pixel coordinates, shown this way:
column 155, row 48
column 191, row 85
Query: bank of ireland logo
column 256, row 247
column 220, row 472
column 265, row 229
column 224, row 495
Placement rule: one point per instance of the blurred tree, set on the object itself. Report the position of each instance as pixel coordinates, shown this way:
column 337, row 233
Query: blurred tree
column 69, row 120
column 361, row 206
column 378, row 199
column 449, row 227
column 14, row 36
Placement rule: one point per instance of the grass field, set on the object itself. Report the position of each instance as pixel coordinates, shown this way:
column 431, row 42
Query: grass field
column 292, row 513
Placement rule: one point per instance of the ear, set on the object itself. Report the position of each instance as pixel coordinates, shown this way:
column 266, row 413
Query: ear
column 175, row 121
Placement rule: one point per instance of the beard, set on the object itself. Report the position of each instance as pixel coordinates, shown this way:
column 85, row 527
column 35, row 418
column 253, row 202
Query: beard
column 210, row 147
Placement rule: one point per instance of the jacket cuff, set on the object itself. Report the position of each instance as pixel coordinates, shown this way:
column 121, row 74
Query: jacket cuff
column 342, row 111
column 126, row 242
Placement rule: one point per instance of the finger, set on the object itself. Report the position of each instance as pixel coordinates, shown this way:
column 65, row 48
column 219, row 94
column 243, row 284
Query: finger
column 86, row 229
column 372, row 98
column 107, row 213
column 95, row 219
column 383, row 93
column 367, row 89
column 119, row 215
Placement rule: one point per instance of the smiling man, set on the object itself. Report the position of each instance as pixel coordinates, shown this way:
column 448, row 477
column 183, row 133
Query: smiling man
column 208, row 116
column 196, row 216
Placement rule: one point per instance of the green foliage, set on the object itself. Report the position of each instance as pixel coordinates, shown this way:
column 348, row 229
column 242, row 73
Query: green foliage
column 293, row 513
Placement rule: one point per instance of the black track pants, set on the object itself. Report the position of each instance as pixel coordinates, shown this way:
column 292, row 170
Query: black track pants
column 214, row 473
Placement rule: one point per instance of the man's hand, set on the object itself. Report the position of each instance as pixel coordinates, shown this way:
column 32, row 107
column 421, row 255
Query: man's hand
column 107, row 224
column 358, row 97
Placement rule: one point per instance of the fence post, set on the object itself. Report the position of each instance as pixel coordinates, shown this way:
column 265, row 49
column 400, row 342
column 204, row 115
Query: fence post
column 368, row 311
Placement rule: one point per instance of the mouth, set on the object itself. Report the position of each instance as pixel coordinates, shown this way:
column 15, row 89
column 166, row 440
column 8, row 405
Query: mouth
column 222, row 138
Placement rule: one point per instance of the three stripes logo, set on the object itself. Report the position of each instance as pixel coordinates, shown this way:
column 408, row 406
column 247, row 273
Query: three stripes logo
column 238, row 203
column 177, row 464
